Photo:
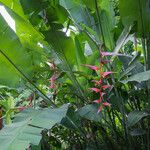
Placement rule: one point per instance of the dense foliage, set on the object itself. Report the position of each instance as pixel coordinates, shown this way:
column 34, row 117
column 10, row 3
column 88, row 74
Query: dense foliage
column 74, row 74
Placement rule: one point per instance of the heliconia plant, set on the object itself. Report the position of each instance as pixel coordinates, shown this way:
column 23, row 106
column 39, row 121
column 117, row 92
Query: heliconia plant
column 54, row 77
column 100, row 83
column 52, row 81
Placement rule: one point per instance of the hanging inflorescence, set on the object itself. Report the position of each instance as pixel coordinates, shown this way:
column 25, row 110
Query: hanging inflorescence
column 100, row 87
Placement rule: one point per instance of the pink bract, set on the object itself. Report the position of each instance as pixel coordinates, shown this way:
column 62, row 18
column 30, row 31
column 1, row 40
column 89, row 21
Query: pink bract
column 100, row 108
column 93, row 67
column 104, row 74
column 106, row 104
column 95, row 90
column 97, row 101
column 104, row 87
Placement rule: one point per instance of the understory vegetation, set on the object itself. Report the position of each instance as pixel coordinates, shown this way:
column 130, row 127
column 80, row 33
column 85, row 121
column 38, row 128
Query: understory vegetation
column 74, row 74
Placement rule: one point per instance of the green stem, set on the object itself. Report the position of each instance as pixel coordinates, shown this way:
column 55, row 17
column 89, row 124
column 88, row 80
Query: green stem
column 8, row 118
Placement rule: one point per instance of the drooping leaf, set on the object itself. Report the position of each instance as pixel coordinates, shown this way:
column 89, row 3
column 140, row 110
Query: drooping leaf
column 78, row 13
column 135, row 116
column 27, row 34
column 137, row 132
column 143, row 76
column 122, row 38
column 107, row 17
column 136, row 11
column 11, row 46
column 27, row 127
column 90, row 112
column 15, row 6
column 131, row 65
column 79, row 51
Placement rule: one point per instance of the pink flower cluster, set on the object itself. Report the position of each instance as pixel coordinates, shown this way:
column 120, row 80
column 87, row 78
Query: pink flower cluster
column 54, row 77
column 52, row 81
column 101, row 86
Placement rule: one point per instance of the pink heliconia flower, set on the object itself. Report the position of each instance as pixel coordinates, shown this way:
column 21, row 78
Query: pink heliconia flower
column 100, row 108
column 52, row 81
column 52, row 86
column 100, row 99
column 97, row 101
column 104, row 87
column 103, row 104
column 53, row 78
column 51, row 65
column 106, row 104
column 92, row 67
column 97, row 82
column 104, row 74
column 95, row 90
column 102, row 94
column 30, row 99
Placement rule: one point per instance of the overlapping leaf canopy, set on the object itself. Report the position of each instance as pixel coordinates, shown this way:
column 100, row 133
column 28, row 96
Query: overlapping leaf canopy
column 40, row 33
column 27, row 126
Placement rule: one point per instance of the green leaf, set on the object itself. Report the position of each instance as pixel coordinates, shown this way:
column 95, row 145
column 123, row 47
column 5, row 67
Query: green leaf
column 122, row 38
column 135, row 116
column 137, row 132
column 78, row 13
column 133, row 64
column 80, row 58
column 107, row 17
column 90, row 112
column 143, row 76
column 11, row 46
column 15, row 6
column 72, row 120
column 136, row 11
column 27, row 127
column 63, row 45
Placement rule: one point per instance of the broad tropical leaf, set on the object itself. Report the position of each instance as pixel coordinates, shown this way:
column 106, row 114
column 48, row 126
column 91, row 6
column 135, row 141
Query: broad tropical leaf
column 90, row 112
column 27, row 127
column 78, row 13
column 135, row 116
column 143, row 76
column 136, row 11
column 137, row 132
column 12, row 48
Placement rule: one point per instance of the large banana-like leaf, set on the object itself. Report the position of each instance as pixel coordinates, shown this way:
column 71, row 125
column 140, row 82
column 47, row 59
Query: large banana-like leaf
column 90, row 112
column 142, row 76
column 107, row 17
column 135, row 116
column 11, row 46
column 19, row 42
column 27, row 34
column 136, row 11
column 63, row 48
column 15, row 6
column 27, row 127
column 78, row 13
